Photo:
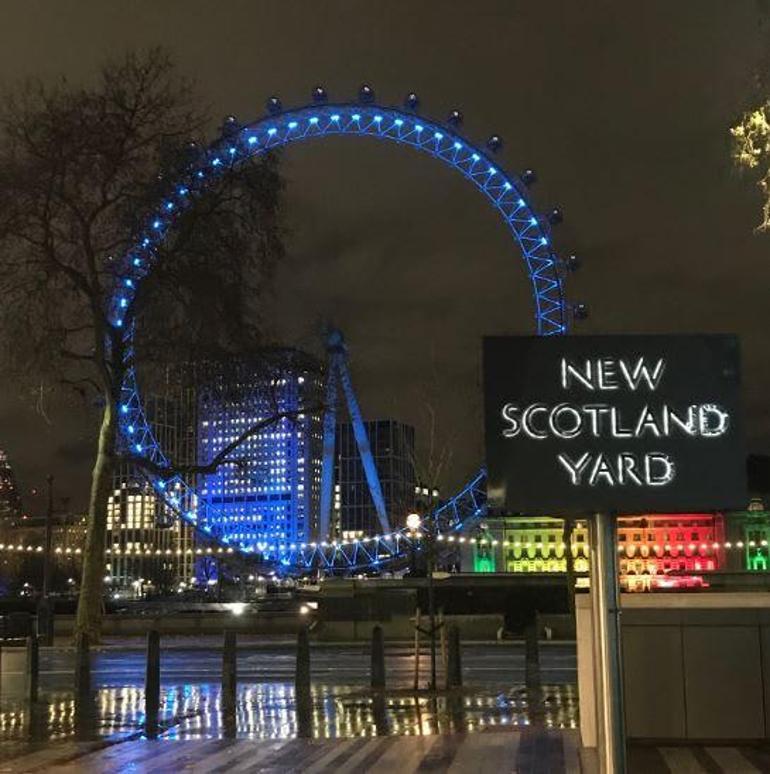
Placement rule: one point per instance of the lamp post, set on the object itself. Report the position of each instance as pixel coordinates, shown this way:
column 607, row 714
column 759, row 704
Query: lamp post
column 44, row 609
column 413, row 525
column 420, row 529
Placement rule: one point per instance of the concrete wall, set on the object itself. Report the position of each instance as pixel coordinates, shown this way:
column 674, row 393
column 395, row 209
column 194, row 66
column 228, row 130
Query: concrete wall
column 472, row 627
column 695, row 667
column 696, row 674
column 193, row 624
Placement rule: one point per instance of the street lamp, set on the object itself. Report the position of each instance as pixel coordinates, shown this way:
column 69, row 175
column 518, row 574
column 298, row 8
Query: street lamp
column 413, row 522
column 44, row 607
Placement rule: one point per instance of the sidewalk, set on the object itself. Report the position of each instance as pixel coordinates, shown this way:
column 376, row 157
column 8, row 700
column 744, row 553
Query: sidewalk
column 533, row 751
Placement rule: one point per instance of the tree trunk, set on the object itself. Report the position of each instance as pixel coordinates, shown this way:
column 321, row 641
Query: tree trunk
column 89, row 615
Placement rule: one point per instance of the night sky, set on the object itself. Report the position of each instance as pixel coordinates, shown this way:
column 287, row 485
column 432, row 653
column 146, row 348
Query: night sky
column 622, row 108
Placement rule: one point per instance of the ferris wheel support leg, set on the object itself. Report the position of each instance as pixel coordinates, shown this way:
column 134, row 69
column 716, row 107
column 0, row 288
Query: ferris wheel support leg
column 364, row 448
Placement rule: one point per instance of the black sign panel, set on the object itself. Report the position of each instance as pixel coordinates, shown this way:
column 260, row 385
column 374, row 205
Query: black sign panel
column 632, row 424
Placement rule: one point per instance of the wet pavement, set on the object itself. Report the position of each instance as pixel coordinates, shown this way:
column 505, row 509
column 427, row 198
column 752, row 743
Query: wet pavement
column 270, row 711
column 492, row 725
column 341, row 706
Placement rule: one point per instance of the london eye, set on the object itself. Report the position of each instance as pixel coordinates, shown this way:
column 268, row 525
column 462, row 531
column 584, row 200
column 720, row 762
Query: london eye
column 508, row 194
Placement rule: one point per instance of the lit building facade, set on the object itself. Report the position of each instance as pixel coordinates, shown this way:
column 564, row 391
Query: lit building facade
column 665, row 543
column 393, row 449
column 147, row 546
column 753, row 533
column 10, row 502
column 271, row 495
column 527, row 544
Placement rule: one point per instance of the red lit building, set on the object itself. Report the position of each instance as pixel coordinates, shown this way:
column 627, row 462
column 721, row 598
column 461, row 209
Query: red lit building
column 671, row 543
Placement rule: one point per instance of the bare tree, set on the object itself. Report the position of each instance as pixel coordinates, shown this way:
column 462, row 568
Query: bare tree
column 81, row 168
column 432, row 460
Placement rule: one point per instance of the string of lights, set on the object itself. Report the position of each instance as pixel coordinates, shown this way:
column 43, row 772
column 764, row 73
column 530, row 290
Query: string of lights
column 739, row 545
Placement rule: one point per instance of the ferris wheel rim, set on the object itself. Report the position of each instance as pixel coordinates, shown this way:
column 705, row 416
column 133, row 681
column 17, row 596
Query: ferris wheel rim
column 507, row 193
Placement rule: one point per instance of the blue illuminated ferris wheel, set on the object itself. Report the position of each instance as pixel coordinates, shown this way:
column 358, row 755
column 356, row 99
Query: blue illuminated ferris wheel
column 506, row 193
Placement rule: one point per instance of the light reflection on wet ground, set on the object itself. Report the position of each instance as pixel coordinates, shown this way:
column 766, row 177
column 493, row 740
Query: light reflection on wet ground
column 270, row 711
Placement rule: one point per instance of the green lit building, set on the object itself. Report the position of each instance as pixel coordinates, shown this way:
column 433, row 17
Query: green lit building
column 755, row 531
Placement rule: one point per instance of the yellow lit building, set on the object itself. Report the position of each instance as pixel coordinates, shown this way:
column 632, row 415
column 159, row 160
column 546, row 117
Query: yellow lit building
column 145, row 545
column 524, row 544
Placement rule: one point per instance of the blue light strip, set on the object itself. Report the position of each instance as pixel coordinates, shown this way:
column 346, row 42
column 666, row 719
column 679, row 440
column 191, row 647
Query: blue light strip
column 507, row 194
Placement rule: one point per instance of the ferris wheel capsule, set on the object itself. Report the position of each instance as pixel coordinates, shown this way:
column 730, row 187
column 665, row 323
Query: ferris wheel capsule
column 455, row 118
column 319, row 94
column 528, row 177
column 411, row 101
column 572, row 262
column 494, row 143
column 274, row 105
column 366, row 93
column 555, row 216
column 192, row 151
column 580, row 311
column 229, row 126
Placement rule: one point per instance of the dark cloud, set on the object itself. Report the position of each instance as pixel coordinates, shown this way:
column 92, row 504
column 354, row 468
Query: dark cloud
column 622, row 108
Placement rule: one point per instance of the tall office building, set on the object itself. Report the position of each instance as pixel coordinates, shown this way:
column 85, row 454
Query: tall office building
column 393, row 449
column 270, row 495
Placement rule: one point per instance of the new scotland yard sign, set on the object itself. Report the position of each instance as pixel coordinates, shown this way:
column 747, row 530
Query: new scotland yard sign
column 617, row 423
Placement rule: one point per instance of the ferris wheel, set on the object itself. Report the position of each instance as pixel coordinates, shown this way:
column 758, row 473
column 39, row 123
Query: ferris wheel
column 508, row 195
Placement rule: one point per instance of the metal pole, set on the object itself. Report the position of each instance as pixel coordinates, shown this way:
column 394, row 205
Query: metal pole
column 82, row 667
column 229, row 674
column 152, row 684
column 44, row 607
column 378, row 658
column 431, row 611
column 607, row 611
column 47, row 547
column 454, row 672
column 416, row 648
column 33, row 668
column 302, row 693
column 302, row 672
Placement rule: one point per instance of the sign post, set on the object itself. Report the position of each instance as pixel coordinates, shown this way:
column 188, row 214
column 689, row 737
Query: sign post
column 607, row 636
column 612, row 425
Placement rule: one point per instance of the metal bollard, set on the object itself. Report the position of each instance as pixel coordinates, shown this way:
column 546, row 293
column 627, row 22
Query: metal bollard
column 33, row 668
column 380, row 712
column 152, row 684
column 532, row 656
column 378, row 658
column 454, row 672
column 45, row 621
column 302, row 695
column 229, row 673
column 82, row 666
column 302, row 674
